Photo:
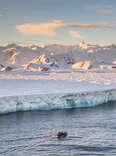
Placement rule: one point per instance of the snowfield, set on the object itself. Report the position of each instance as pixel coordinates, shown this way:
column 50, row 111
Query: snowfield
column 61, row 81
column 56, row 68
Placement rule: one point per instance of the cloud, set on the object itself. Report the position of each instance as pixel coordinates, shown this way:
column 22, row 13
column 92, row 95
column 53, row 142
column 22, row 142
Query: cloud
column 53, row 1
column 50, row 28
column 75, row 34
column 108, row 25
column 41, row 29
column 2, row 14
column 106, row 11
column 53, row 38
column 109, row 6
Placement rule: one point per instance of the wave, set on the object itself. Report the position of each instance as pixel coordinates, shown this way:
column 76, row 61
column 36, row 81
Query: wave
column 55, row 101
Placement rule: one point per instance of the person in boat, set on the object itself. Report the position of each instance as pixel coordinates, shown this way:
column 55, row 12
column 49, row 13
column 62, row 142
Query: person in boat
column 61, row 134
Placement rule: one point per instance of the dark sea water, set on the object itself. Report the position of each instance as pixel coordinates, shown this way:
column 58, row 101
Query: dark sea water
column 91, row 132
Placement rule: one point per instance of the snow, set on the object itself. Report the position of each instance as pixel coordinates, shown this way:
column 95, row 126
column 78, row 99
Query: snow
column 85, row 71
column 68, row 81
column 65, row 64
column 7, row 69
column 1, row 66
column 61, row 54
column 83, row 65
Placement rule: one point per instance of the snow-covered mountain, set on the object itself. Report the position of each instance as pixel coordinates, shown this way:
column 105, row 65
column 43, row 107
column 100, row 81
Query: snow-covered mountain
column 61, row 55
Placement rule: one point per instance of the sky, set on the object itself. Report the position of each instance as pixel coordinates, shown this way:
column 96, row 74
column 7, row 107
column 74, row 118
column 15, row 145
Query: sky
column 57, row 21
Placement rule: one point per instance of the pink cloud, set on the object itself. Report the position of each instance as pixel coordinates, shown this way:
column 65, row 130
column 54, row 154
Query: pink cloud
column 75, row 34
column 106, row 11
column 2, row 14
column 50, row 28
column 41, row 29
column 109, row 6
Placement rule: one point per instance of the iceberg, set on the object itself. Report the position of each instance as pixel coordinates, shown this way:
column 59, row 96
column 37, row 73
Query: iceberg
column 46, row 102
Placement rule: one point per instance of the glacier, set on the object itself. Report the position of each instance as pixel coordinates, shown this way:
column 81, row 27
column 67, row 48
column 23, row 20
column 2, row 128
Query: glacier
column 10, row 104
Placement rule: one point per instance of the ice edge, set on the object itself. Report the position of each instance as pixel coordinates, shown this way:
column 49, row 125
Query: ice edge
column 11, row 104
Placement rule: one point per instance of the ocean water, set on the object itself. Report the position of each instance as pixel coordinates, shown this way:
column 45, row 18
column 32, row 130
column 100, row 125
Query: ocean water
column 91, row 132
